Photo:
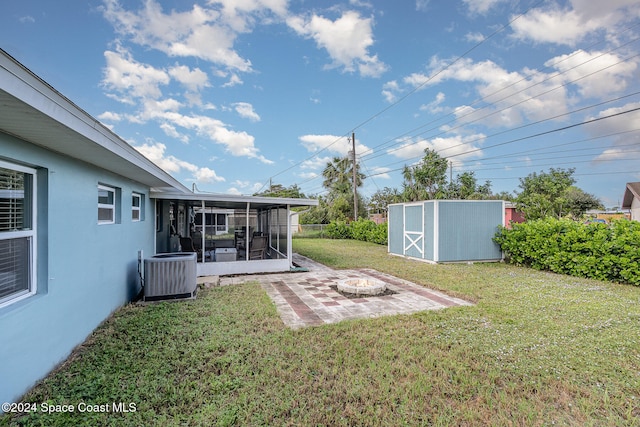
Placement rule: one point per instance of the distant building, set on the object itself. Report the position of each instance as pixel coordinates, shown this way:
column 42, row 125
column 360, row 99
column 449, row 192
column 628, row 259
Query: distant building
column 378, row 218
column 608, row 214
column 631, row 200
column 511, row 214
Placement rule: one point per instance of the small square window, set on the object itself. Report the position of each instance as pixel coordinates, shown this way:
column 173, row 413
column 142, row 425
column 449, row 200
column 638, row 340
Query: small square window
column 136, row 207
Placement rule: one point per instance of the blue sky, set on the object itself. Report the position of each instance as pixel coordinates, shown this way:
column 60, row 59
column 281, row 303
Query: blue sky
column 228, row 94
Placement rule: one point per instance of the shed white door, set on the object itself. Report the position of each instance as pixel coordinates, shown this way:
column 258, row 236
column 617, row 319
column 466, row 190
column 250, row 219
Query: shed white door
column 414, row 230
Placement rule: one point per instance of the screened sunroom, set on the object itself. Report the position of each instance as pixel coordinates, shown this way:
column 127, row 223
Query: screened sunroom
column 230, row 234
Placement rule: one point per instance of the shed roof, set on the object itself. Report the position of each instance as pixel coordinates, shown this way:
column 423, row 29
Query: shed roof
column 632, row 191
column 32, row 110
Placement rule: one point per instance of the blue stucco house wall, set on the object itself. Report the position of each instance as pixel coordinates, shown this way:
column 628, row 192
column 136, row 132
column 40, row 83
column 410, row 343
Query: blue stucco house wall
column 446, row 230
column 78, row 209
column 82, row 266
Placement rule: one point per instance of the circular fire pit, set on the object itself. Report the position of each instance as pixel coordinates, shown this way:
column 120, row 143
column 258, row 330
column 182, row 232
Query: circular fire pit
column 362, row 286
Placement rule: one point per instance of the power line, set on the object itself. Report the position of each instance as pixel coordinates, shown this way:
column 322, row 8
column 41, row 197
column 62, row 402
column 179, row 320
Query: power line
column 411, row 92
column 484, row 138
column 513, row 105
column 556, row 75
column 560, row 129
column 477, row 101
column 575, row 174
column 543, row 149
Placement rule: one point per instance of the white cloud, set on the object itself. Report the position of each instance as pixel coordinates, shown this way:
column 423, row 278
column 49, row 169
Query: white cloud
column 422, row 5
column 234, row 80
column 153, row 108
column 347, row 40
column 509, row 97
column 571, row 24
column 315, row 163
column 474, row 37
column 200, row 32
column 596, row 74
column 247, row 186
column 625, row 125
column 456, row 145
column 337, row 145
column 111, row 116
column 241, row 15
column 481, row 6
column 236, row 143
column 171, row 131
column 241, row 184
column 308, row 175
column 434, row 106
column 207, row 175
column 244, row 109
column 390, row 90
column 131, row 78
column 380, row 172
column 194, row 80
column 556, row 25
column 612, row 154
column 234, row 191
column 171, row 164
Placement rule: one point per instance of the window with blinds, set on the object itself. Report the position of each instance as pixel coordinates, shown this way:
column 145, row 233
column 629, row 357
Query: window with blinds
column 14, row 267
column 17, row 232
column 13, row 215
column 106, row 205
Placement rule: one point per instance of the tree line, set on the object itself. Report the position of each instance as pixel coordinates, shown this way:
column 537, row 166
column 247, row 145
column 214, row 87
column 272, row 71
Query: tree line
column 544, row 194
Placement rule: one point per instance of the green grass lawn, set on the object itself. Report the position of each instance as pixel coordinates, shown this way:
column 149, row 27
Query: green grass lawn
column 535, row 349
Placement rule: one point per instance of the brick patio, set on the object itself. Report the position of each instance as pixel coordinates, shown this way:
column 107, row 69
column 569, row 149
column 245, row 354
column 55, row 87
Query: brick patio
column 306, row 299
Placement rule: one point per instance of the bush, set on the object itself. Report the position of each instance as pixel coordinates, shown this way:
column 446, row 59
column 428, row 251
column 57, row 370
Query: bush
column 338, row 230
column 362, row 229
column 597, row 251
column 379, row 234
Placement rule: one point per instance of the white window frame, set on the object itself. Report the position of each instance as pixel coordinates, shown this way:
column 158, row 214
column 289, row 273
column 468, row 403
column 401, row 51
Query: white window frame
column 136, row 209
column 110, row 206
column 30, row 234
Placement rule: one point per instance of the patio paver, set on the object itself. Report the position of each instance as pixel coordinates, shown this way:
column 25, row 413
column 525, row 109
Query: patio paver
column 306, row 298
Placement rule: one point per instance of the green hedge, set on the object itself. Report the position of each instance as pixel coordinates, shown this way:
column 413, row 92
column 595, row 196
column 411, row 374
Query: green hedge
column 597, row 251
column 362, row 229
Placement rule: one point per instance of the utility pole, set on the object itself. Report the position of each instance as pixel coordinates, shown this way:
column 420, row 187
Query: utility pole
column 355, row 188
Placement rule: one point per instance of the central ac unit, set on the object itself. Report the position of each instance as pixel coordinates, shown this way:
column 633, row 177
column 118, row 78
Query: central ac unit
column 170, row 276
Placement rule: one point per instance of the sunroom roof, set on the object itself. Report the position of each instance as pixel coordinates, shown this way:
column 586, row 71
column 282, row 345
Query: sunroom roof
column 231, row 201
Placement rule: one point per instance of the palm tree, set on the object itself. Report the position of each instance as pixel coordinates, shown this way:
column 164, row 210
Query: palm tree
column 338, row 176
column 338, row 180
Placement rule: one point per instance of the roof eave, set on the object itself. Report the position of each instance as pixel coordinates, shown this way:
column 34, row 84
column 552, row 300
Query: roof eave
column 34, row 111
column 631, row 191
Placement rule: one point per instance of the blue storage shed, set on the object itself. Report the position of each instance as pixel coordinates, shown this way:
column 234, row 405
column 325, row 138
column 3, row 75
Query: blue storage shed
column 446, row 230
